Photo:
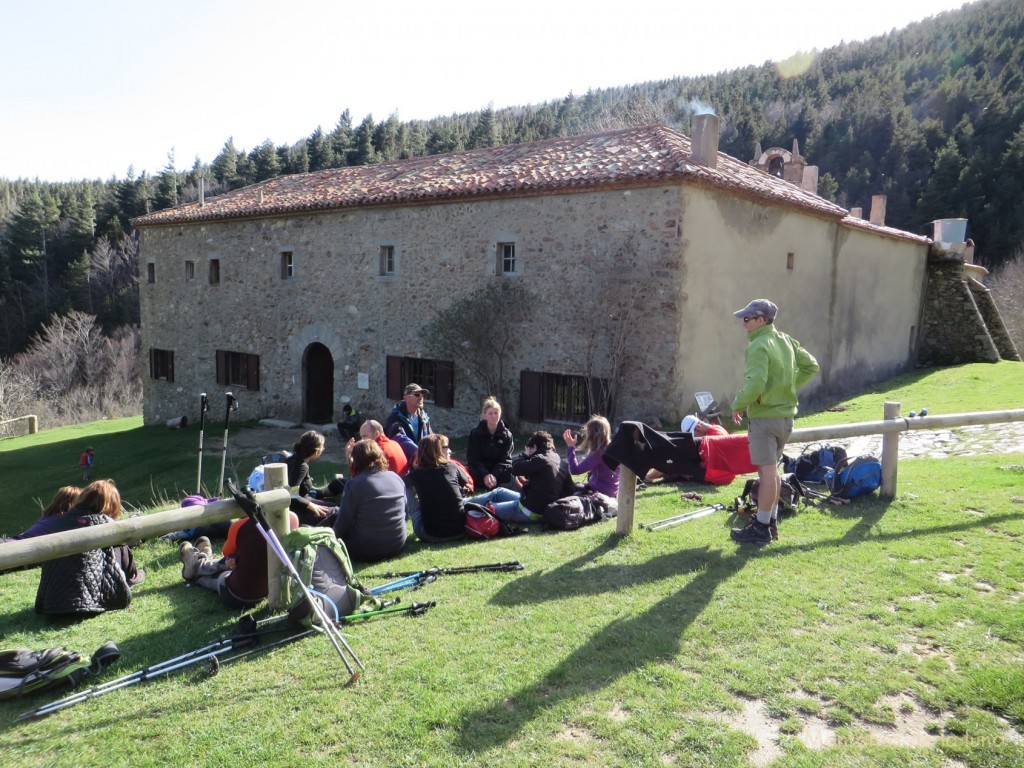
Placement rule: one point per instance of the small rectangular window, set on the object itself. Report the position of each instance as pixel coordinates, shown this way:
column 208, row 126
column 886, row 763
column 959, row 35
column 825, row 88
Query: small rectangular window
column 150, row 272
column 790, row 259
column 287, row 265
column 506, row 258
column 561, row 397
column 161, row 364
column 190, row 271
column 387, row 260
column 214, row 271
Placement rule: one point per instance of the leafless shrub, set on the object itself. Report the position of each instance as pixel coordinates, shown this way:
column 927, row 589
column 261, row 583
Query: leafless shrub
column 1007, row 286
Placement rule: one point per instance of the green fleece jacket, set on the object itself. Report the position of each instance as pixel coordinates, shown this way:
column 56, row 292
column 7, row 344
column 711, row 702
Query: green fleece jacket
column 775, row 367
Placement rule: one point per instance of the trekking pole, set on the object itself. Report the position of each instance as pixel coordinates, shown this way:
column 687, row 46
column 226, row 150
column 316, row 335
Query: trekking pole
column 204, row 406
column 232, row 405
column 412, row 579
column 252, row 508
column 683, row 517
column 155, row 670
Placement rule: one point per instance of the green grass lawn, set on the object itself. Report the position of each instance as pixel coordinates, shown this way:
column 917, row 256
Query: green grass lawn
column 871, row 621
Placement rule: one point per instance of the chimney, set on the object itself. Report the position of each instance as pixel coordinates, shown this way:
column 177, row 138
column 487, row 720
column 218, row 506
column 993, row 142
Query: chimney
column 704, row 141
column 202, row 191
column 857, row 212
column 810, row 179
column 877, row 216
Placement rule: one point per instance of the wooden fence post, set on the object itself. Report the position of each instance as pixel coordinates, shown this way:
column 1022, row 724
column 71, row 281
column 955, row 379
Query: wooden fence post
column 890, row 453
column 275, row 476
column 626, row 499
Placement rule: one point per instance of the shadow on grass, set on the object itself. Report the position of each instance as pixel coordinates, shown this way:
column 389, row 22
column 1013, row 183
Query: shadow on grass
column 652, row 636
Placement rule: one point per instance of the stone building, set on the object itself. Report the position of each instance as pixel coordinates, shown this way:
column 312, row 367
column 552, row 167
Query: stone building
column 305, row 292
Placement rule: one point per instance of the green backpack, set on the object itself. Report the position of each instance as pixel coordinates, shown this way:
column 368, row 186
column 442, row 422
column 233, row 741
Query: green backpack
column 322, row 562
column 24, row 671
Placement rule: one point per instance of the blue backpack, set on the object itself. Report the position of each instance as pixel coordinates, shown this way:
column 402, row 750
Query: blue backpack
column 854, row 477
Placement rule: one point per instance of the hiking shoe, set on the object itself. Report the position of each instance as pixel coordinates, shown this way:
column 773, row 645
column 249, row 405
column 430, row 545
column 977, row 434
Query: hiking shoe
column 203, row 545
column 773, row 527
column 755, row 533
column 189, row 561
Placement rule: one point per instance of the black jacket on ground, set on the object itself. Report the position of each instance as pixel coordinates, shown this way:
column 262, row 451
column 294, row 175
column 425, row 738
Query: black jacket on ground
column 547, row 479
column 642, row 448
column 488, row 454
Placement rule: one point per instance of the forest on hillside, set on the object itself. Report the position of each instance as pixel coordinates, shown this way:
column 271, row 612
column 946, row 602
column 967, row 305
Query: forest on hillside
column 931, row 116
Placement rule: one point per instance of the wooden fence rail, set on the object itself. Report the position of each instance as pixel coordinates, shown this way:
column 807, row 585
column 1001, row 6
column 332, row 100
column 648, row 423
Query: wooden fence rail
column 891, row 426
column 32, row 419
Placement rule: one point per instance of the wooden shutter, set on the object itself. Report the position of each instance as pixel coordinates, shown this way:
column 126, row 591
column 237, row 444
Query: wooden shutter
column 444, row 384
column 394, row 385
column 253, row 374
column 152, row 364
column 222, row 366
column 531, row 396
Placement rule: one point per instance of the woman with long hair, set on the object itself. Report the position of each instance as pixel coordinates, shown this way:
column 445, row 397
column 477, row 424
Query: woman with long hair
column 371, row 518
column 597, row 433
column 309, row 447
column 436, row 492
column 61, row 503
column 95, row 581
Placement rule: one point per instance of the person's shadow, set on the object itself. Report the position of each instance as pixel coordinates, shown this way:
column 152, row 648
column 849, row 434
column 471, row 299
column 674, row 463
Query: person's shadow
column 617, row 649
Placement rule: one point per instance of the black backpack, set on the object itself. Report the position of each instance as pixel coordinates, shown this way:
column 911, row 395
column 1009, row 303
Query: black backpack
column 572, row 512
column 790, row 494
column 25, row 671
column 817, row 458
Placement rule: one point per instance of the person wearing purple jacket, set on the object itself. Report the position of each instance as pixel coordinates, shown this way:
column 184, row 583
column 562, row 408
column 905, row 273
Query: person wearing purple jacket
column 51, row 518
column 597, row 433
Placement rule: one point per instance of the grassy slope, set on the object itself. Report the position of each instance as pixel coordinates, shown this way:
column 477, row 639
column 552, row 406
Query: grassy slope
column 605, row 651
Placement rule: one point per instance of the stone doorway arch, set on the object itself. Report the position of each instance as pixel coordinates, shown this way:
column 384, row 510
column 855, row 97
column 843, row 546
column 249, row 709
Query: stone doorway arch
column 318, row 384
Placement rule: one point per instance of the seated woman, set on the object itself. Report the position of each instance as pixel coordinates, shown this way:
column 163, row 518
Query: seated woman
column 435, row 492
column 95, row 581
column 597, row 433
column 371, row 518
column 489, row 451
column 309, row 448
column 239, row 577
column 60, row 504
column 541, row 478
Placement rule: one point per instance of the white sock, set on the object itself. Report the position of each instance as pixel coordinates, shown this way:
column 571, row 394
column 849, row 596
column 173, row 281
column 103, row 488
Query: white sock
column 764, row 516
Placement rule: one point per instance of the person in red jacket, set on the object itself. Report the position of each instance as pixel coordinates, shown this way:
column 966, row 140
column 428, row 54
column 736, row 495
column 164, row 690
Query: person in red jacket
column 722, row 456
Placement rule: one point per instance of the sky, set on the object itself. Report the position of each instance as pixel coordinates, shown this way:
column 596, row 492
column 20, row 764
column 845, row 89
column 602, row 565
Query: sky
column 91, row 89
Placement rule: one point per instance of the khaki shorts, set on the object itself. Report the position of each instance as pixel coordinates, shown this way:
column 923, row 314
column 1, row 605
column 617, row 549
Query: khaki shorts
column 767, row 438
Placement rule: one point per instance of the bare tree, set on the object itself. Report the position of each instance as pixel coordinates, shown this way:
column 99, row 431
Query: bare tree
column 478, row 333
column 1007, row 286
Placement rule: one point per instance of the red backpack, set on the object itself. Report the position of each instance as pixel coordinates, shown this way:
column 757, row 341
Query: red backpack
column 480, row 521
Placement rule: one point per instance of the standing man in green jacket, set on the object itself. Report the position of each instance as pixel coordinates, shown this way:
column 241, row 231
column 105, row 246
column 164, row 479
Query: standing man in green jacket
column 775, row 366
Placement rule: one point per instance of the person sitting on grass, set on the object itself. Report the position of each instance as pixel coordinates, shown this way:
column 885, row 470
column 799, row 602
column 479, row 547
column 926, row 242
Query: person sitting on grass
column 95, row 581
column 398, row 459
column 371, row 518
column 541, row 478
column 310, row 447
column 435, row 490
column 489, row 450
column 50, row 519
column 239, row 577
column 597, row 433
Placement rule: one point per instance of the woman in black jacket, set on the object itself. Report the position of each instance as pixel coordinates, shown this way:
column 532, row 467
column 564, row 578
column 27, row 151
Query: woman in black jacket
column 489, row 453
column 436, row 506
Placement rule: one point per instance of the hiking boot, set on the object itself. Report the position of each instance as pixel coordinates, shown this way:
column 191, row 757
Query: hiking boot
column 755, row 533
column 203, row 545
column 190, row 560
column 773, row 527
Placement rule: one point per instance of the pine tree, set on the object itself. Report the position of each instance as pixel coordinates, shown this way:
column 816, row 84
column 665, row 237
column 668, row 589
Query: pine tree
column 483, row 133
column 167, row 185
column 225, row 165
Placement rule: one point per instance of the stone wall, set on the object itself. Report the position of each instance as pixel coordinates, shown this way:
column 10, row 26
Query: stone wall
column 993, row 320
column 953, row 329
column 572, row 251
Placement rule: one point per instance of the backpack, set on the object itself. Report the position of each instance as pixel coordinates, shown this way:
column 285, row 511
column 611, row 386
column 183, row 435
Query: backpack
column 817, row 458
column 855, row 477
column 25, row 671
column 325, row 567
column 790, row 494
column 481, row 522
column 583, row 508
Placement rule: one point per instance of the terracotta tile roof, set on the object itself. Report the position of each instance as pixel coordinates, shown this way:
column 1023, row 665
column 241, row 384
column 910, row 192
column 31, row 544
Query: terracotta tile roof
column 631, row 157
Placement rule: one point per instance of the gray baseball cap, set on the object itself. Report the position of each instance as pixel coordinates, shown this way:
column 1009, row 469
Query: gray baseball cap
column 758, row 308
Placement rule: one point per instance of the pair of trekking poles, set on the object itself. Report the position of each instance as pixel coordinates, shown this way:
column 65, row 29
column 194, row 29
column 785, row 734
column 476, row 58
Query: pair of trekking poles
column 682, row 517
column 204, row 406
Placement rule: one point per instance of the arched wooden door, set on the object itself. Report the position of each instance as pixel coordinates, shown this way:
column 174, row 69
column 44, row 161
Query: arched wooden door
column 318, row 374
